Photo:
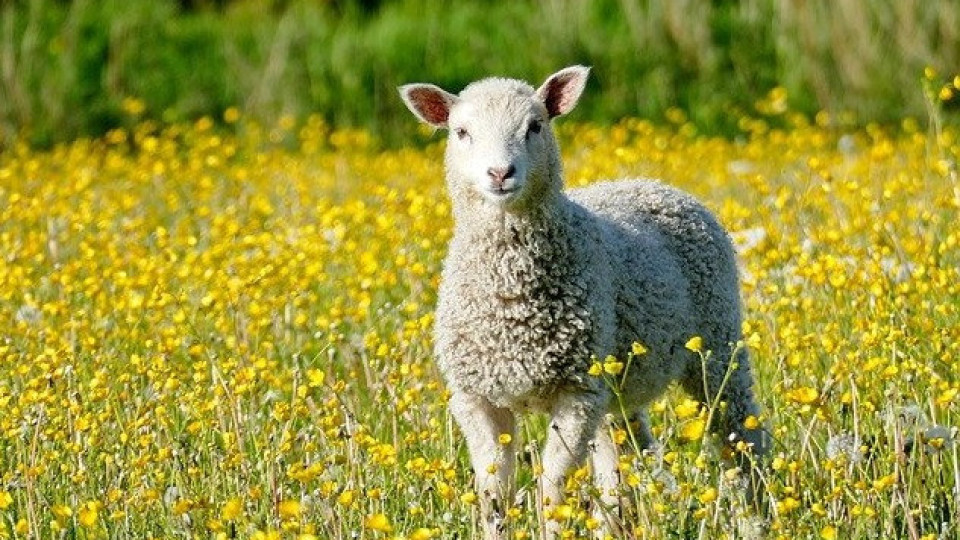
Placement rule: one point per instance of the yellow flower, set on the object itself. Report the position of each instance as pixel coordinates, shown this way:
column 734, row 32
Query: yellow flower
column 468, row 498
column 638, row 349
column 619, row 436
column 290, row 509
column 751, row 422
column 687, row 408
column 232, row 509
column 378, row 522
column 708, row 495
column 595, row 369
column 829, row 532
column 346, row 498
column 5, row 500
column 947, row 396
column 505, row 438
column 884, row 482
column 695, row 344
column 787, row 505
column 693, row 430
column 612, row 366
column 87, row 514
column 421, row 534
column 231, row 115
column 182, row 506
column 133, row 106
column 445, row 490
column 315, row 377
column 804, row 395
column 61, row 511
column 561, row 512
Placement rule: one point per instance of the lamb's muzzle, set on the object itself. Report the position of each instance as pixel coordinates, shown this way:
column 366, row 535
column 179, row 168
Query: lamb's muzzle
column 499, row 175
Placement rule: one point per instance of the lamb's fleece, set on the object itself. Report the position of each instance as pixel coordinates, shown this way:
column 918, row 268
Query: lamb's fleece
column 526, row 304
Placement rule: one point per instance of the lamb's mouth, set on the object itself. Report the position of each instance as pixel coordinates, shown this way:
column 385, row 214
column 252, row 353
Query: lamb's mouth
column 501, row 193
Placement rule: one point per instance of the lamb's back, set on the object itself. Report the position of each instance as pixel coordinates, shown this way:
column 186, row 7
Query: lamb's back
column 690, row 241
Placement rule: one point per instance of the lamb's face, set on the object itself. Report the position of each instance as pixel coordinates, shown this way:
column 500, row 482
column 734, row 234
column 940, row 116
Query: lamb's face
column 500, row 142
column 501, row 147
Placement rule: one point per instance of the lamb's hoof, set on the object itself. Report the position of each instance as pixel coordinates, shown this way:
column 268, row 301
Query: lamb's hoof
column 495, row 527
column 752, row 527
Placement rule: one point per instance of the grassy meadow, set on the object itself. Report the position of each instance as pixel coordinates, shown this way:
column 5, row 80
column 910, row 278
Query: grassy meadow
column 226, row 333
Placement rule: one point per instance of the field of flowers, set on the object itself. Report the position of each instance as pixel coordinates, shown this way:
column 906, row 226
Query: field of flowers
column 226, row 333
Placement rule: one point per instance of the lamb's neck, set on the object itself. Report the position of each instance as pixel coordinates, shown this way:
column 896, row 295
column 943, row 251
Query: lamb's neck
column 548, row 221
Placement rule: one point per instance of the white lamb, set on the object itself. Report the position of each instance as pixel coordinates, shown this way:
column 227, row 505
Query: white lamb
column 538, row 282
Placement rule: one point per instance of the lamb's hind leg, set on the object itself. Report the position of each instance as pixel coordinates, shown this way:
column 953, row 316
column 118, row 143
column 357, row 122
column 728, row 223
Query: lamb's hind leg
column 493, row 462
column 725, row 374
column 608, row 510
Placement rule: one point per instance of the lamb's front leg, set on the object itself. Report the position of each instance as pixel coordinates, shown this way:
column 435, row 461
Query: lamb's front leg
column 493, row 462
column 575, row 418
column 606, row 478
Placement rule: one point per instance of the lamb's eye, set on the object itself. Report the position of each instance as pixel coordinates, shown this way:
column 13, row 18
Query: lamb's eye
column 534, row 127
column 461, row 133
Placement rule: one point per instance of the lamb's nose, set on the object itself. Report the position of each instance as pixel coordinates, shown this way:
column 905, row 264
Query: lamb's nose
column 499, row 174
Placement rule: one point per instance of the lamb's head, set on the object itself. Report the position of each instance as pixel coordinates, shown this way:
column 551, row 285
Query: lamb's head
column 501, row 148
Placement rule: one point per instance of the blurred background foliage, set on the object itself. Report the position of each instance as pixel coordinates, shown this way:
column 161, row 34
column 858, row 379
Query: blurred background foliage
column 80, row 68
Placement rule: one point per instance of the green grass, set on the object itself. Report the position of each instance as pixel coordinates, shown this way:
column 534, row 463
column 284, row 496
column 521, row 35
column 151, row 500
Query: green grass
column 67, row 67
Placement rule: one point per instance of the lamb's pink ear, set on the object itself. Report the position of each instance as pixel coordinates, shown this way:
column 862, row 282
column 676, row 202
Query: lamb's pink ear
column 562, row 90
column 429, row 103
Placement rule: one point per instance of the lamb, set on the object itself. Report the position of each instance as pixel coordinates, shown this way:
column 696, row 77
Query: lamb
column 539, row 282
